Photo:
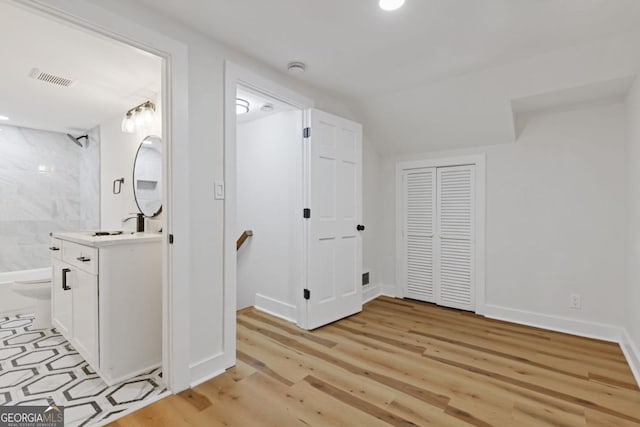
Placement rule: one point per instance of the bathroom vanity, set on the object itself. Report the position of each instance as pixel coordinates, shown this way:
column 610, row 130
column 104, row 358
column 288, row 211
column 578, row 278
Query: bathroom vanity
column 107, row 300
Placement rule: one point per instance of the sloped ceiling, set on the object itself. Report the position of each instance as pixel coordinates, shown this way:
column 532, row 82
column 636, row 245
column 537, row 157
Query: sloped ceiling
column 109, row 77
column 429, row 75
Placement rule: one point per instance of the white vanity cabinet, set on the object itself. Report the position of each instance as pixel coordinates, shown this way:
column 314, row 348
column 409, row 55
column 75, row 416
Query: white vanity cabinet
column 107, row 300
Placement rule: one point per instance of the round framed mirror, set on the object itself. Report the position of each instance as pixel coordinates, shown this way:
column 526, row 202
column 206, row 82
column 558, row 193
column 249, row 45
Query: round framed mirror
column 147, row 176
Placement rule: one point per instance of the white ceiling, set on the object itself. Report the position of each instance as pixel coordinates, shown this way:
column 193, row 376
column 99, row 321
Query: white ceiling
column 354, row 48
column 111, row 77
column 436, row 74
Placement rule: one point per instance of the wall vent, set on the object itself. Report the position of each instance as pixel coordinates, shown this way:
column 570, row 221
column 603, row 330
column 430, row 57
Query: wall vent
column 51, row 78
column 365, row 278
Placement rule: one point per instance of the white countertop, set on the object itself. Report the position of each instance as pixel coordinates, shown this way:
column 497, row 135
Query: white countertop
column 87, row 238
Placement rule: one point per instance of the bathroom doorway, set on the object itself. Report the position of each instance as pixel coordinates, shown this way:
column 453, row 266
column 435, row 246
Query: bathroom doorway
column 77, row 156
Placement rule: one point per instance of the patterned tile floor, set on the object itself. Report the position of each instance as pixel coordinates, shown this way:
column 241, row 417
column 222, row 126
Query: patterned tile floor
column 37, row 364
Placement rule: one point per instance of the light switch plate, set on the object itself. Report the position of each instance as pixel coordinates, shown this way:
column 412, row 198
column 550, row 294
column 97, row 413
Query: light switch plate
column 218, row 190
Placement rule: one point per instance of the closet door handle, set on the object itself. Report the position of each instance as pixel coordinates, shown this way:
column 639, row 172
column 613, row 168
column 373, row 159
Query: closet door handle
column 360, row 227
column 64, row 279
column 53, row 248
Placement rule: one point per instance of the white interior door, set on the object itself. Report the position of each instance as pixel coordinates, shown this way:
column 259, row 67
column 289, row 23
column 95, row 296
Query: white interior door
column 334, row 197
column 419, row 232
column 455, row 228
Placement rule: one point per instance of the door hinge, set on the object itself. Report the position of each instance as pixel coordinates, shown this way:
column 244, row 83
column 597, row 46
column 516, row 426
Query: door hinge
column 307, row 213
column 307, row 294
column 306, row 132
column 171, row 239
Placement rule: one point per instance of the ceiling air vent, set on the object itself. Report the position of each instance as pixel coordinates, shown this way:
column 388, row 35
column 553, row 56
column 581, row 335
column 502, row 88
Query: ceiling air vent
column 51, row 78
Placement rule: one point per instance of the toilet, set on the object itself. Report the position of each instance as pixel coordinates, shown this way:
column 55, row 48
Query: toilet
column 38, row 288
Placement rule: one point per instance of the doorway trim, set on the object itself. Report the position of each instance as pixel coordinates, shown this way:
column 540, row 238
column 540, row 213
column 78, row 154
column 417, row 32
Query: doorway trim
column 235, row 75
column 479, row 160
column 175, row 127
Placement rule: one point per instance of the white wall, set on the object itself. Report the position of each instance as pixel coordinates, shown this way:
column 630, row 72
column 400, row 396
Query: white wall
column 632, row 295
column 117, row 156
column 371, row 210
column 555, row 216
column 269, row 153
column 206, row 164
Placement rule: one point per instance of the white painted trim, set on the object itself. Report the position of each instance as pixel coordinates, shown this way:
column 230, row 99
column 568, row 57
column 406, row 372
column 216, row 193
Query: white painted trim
column 113, row 381
column 133, row 409
column 235, row 75
column 479, row 160
column 205, row 369
column 276, row 308
column 204, row 379
column 371, row 292
column 582, row 328
column 175, row 88
column 390, row 291
column 632, row 353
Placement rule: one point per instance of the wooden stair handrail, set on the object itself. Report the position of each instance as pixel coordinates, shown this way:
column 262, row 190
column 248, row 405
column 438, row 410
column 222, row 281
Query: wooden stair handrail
column 245, row 235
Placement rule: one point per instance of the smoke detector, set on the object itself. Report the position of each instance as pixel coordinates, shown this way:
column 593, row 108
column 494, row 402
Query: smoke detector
column 296, row 67
column 268, row 107
column 51, row 78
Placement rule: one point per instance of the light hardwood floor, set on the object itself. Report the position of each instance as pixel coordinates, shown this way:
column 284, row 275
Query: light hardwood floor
column 405, row 363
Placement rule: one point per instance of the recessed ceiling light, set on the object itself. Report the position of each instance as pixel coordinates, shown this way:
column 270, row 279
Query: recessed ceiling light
column 4, row 118
column 242, row 106
column 389, row 5
column 296, row 67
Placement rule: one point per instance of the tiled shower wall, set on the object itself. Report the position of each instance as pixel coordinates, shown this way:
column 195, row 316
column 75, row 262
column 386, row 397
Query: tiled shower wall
column 47, row 183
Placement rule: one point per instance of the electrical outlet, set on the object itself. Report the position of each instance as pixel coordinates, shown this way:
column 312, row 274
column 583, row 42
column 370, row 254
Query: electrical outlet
column 575, row 301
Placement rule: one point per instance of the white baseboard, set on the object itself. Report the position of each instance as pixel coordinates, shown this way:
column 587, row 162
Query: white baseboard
column 276, row 308
column 370, row 292
column 632, row 353
column 600, row 331
column 389, row 291
column 206, row 369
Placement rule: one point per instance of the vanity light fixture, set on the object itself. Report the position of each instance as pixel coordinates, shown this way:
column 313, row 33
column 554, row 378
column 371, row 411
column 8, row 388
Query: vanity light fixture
column 128, row 125
column 390, row 5
column 4, row 117
column 242, row 106
column 138, row 117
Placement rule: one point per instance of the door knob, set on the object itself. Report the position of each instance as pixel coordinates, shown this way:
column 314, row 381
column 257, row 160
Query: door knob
column 360, row 227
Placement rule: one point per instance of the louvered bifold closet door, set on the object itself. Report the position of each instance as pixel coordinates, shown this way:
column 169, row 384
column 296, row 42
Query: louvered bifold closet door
column 455, row 266
column 420, row 224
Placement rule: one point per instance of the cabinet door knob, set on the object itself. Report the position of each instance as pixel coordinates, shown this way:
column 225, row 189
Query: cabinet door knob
column 64, row 279
column 83, row 259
